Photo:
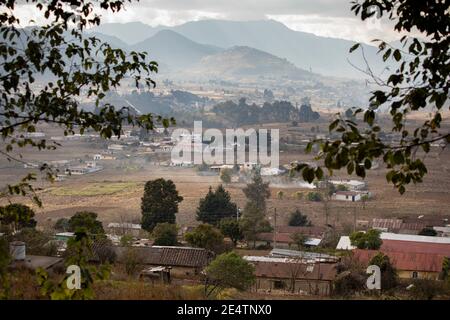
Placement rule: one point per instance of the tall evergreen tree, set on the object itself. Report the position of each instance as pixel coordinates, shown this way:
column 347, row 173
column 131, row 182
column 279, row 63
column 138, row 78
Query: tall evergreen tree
column 253, row 222
column 257, row 191
column 159, row 203
column 215, row 206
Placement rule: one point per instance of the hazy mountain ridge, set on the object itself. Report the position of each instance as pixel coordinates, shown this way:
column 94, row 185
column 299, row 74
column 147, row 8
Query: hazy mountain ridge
column 243, row 61
column 174, row 50
column 327, row 56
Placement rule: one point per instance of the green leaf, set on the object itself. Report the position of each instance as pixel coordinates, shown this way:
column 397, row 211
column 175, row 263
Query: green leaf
column 354, row 47
column 397, row 55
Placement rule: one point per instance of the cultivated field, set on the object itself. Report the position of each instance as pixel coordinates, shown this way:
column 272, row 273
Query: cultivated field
column 115, row 192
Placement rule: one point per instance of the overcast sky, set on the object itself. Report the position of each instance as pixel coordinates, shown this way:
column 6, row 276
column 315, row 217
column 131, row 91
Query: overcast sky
column 331, row 18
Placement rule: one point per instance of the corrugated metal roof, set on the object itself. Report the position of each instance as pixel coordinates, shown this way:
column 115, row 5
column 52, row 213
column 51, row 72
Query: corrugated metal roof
column 409, row 261
column 286, row 238
column 405, row 242
column 417, row 247
column 276, row 252
column 415, row 238
column 287, row 270
column 315, row 231
column 170, row 256
column 390, row 224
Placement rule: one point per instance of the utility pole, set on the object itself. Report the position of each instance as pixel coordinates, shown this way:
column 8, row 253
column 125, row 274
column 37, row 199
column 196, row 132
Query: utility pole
column 275, row 229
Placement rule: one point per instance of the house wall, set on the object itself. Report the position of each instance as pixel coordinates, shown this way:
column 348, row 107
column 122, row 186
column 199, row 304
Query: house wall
column 313, row 287
column 184, row 272
column 408, row 274
column 347, row 198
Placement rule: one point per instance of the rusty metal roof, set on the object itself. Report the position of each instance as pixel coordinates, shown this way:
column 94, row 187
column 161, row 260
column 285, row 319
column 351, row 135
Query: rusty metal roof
column 408, row 261
column 170, row 256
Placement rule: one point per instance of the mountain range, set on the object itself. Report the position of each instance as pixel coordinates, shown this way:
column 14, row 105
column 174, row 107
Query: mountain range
column 184, row 45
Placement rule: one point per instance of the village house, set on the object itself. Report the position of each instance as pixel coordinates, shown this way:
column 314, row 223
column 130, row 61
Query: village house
column 413, row 256
column 409, row 265
column 89, row 167
column 352, row 196
column 19, row 259
column 351, row 185
column 124, row 228
column 183, row 262
column 116, row 147
column 398, row 225
column 283, row 237
column 304, row 255
column 292, row 275
column 97, row 157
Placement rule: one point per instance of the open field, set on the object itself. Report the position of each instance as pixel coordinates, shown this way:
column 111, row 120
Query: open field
column 115, row 192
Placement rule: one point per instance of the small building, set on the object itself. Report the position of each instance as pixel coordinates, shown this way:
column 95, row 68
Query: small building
column 283, row 240
column 21, row 260
column 352, row 196
column 271, row 171
column 442, row 231
column 64, row 236
column 34, row 135
column 185, row 262
column 409, row 265
column 304, row 255
column 351, row 185
column 218, row 169
column 180, row 163
column 116, row 147
column 156, row 274
column 98, row 157
column 124, row 228
column 292, row 276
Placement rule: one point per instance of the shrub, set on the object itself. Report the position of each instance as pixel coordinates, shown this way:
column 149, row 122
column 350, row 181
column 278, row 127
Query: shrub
column 165, row 234
column 314, row 196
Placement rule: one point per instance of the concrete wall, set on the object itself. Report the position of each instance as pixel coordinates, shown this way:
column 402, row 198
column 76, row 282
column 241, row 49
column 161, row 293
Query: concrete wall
column 407, row 274
column 312, row 287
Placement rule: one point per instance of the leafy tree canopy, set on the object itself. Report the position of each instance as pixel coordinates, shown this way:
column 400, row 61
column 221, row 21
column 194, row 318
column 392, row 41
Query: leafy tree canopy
column 297, row 219
column 420, row 82
column 165, row 234
column 18, row 216
column 229, row 270
column 366, row 240
column 215, row 206
column 48, row 69
column 389, row 277
column 207, row 237
column 257, row 191
column 87, row 221
column 428, row 231
column 230, row 228
column 159, row 203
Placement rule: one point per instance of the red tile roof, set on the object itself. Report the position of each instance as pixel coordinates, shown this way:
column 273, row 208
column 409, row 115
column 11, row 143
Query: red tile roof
column 410, row 261
column 313, row 231
column 280, row 237
column 169, row 256
column 416, row 247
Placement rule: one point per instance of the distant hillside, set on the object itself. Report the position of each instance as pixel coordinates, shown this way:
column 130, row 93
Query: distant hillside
column 113, row 41
column 130, row 33
column 174, row 50
column 241, row 61
column 327, row 56
column 323, row 55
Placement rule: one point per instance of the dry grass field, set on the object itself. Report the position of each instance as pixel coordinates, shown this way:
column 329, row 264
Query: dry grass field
column 115, row 192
